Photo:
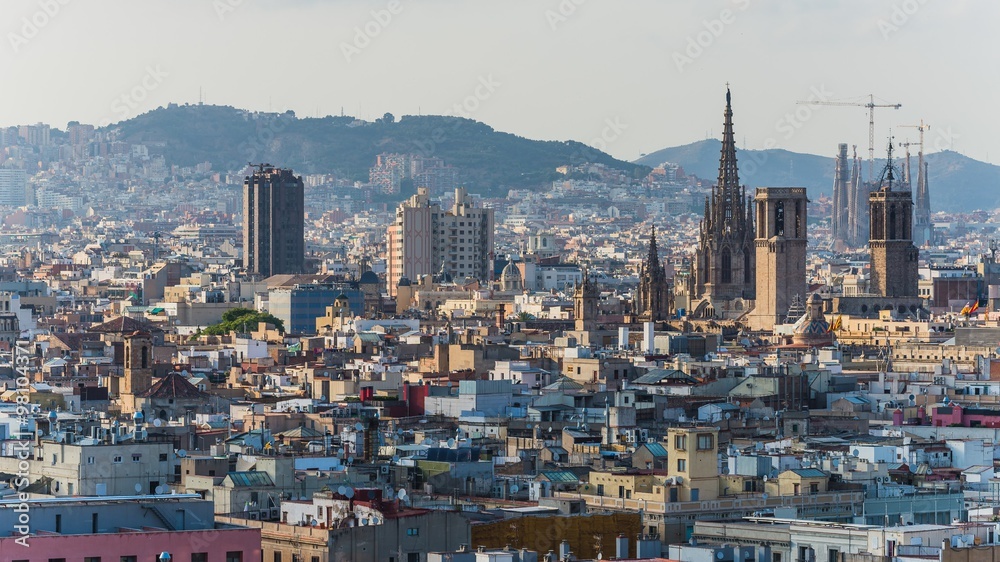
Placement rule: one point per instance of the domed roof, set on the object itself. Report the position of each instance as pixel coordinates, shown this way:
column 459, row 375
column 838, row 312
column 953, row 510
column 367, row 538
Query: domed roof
column 138, row 416
column 371, row 278
column 812, row 328
column 341, row 297
column 510, row 270
column 403, row 282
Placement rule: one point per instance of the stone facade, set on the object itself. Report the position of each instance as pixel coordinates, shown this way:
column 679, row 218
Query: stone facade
column 893, row 256
column 781, row 253
column 722, row 281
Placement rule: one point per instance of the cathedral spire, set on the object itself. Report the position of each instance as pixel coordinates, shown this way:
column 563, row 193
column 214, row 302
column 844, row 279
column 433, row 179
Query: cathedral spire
column 654, row 256
column 729, row 176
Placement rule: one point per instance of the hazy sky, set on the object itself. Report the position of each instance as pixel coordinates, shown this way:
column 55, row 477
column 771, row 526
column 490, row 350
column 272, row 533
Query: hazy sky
column 644, row 74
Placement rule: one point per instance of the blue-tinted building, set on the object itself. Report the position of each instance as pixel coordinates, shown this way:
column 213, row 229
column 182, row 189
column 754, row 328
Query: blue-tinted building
column 300, row 305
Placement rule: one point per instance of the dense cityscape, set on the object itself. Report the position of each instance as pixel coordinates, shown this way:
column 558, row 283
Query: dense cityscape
column 448, row 343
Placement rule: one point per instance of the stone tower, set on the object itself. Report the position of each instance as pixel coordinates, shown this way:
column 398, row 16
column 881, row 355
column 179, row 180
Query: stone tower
column 585, row 299
column 654, row 299
column 841, row 183
column 724, row 261
column 893, row 255
column 138, row 373
column 922, row 229
column 781, row 253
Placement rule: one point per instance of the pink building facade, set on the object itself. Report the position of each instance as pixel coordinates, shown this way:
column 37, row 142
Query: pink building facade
column 140, row 545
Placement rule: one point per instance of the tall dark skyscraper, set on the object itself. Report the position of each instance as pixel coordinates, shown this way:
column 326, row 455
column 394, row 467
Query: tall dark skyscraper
column 273, row 222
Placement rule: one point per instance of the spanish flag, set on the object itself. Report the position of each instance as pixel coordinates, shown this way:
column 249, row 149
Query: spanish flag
column 965, row 310
column 974, row 308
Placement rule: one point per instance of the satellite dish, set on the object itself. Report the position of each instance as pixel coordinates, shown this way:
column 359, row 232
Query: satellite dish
column 157, row 422
column 395, row 459
column 138, row 488
column 765, row 478
column 349, row 493
column 428, row 441
column 728, row 415
column 856, row 453
column 159, row 489
column 514, row 489
column 720, row 555
column 342, row 491
column 451, row 443
column 181, row 453
column 359, row 427
column 764, row 496
column 401, row 494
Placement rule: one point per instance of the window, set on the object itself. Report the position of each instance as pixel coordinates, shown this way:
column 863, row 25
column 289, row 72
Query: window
column 163, row 457
column 199, row 557
column 127, row 559
column 58, row 522
column 57, row 560
column 117, row 459
column 90, row 460
column 236, row 556
column 136, row 457
column 413, row 557
column 92, row 559
column 705, row 442
column 413, row 532
column 277, row 556
column 682, row 465
column 680, row 441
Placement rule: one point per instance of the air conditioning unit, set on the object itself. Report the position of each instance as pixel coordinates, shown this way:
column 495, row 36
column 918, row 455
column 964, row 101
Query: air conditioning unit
column 275, row 513
column 383, row 469
column 254, row 516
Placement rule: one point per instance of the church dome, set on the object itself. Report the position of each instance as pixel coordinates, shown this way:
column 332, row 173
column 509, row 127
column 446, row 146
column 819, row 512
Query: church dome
column 812, row 329
column 370, row 278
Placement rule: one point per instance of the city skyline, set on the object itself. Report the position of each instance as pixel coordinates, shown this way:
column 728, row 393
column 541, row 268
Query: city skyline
column 650, row 81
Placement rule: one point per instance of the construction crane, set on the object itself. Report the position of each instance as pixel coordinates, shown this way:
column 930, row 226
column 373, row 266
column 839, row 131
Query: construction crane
column 921, row 127
column 871, row 105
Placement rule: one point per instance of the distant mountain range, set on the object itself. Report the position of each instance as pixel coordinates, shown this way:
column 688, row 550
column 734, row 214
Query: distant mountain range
column 488, row 161
column 957, row 183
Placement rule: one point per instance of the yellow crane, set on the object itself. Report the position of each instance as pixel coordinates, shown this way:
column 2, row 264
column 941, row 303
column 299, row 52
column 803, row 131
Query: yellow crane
column 871, row 105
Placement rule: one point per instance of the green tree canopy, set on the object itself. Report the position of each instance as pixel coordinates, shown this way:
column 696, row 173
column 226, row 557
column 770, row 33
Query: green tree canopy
column 234, row 320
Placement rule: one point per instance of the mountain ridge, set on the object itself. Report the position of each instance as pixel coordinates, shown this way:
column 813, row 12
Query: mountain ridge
column 956, row 182
column 488, row 161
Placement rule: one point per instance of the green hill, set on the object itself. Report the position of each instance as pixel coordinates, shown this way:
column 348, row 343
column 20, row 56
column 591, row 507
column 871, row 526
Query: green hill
column 489, row 161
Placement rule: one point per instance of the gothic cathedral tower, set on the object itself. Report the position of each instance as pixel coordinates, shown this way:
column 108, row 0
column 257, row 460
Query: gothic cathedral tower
column 781, row 253
column 724, row 262
column 893, row 256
